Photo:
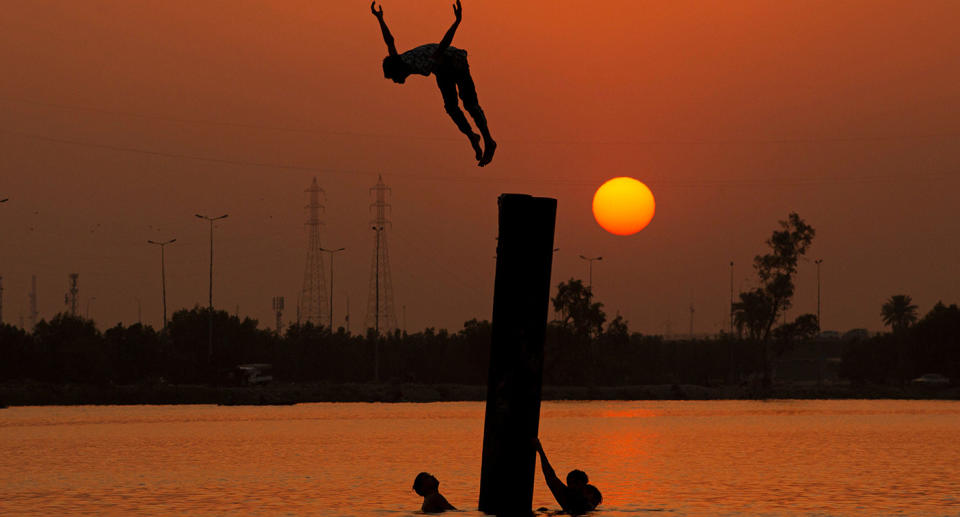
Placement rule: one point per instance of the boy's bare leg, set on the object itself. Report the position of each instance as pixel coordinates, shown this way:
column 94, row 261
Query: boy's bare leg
column 468, row 94
column 489, row 145
column 475, row 143
column 448, row 88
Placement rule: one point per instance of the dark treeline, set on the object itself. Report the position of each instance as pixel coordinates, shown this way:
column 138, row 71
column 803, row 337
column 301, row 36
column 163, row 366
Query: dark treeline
column 71, row 350
column 912, row 348
column 582, row 348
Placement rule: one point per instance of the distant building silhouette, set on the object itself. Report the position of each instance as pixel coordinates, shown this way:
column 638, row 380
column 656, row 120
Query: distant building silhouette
column 380, row 312
column 313, row 295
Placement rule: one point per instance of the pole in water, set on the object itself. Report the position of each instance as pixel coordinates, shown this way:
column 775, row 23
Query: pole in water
column 521, row 298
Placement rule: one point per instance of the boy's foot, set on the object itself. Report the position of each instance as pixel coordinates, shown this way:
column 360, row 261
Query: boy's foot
column 491, row 147
column 475, row 143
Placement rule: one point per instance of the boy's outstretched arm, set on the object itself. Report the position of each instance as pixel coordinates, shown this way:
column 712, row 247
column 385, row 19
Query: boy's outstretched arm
column 553, row 482
column 448, row 37
column 387, row 37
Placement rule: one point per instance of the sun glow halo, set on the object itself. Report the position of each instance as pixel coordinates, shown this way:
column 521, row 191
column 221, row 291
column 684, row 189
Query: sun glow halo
column 623, row 206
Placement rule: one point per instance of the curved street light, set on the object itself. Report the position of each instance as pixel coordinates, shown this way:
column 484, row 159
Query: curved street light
column 210, row 304
column 163, row 276
column 590, row 275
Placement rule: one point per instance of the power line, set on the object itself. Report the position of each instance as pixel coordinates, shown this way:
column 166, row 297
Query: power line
column 241, row 125
column 534, row 141
column 151, row 152
column 268, row 165
column 457, row 177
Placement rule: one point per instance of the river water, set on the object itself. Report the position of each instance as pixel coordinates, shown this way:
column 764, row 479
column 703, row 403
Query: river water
column 651, row 458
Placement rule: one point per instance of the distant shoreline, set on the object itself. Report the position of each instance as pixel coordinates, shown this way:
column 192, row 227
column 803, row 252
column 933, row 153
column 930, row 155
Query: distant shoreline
column 45, row 394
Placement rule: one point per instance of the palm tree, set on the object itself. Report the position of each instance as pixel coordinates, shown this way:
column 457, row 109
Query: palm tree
column 899, row 312
column 580, row 312
column 752, row 314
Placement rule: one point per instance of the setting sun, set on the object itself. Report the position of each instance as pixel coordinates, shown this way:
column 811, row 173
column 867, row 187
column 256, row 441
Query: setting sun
column 623, row 206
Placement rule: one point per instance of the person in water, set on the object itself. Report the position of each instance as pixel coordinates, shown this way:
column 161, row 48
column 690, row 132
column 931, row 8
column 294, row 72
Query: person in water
column 449, row 65
column 577, row 496
column 428, row 487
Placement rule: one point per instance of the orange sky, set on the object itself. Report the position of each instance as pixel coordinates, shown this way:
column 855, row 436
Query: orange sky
column 734, row 113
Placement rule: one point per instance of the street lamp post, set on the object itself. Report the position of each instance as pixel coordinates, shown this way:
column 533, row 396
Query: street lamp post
column 376, row 312
column 163, row 276
column 590, row 274
column 210, row 299
column 331, row 252
column 731, row 297
column 818, row 262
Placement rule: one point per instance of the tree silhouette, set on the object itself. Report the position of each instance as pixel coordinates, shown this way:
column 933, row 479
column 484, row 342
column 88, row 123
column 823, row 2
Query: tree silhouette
column 898, row 312
column 578, row 312
column 617, row 329
column 72, row 350
column 752, row 313
column 136, row 352
column 929, row 345
column 235, row 341
column 17, row 351
column 758, row 309
column 788, row 335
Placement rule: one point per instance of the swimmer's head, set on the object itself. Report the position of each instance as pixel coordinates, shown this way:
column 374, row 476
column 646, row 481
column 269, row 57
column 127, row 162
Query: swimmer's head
column 425, row 484
column 395, row 69
column 577, row 479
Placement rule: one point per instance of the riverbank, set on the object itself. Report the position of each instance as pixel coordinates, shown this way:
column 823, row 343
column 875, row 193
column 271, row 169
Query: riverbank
column 44, row 394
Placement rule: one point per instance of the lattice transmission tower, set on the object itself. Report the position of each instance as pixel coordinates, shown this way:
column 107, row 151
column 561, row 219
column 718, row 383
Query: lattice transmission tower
column 380, row 314
column 313, row 295
column 72, row 298
column 278, row 311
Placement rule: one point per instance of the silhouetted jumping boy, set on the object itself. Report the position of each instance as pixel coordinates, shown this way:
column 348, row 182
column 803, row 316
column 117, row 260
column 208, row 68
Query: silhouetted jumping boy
column 428, row 487
column 449, row 65
column 577, row 496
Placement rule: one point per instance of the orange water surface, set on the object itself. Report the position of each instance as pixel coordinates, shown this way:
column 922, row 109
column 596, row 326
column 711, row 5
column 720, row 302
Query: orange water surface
column 670, row 458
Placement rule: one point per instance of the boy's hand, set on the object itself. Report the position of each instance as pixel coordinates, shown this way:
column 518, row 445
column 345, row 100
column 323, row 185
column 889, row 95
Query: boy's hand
column 457, row 10
column 373, row 9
